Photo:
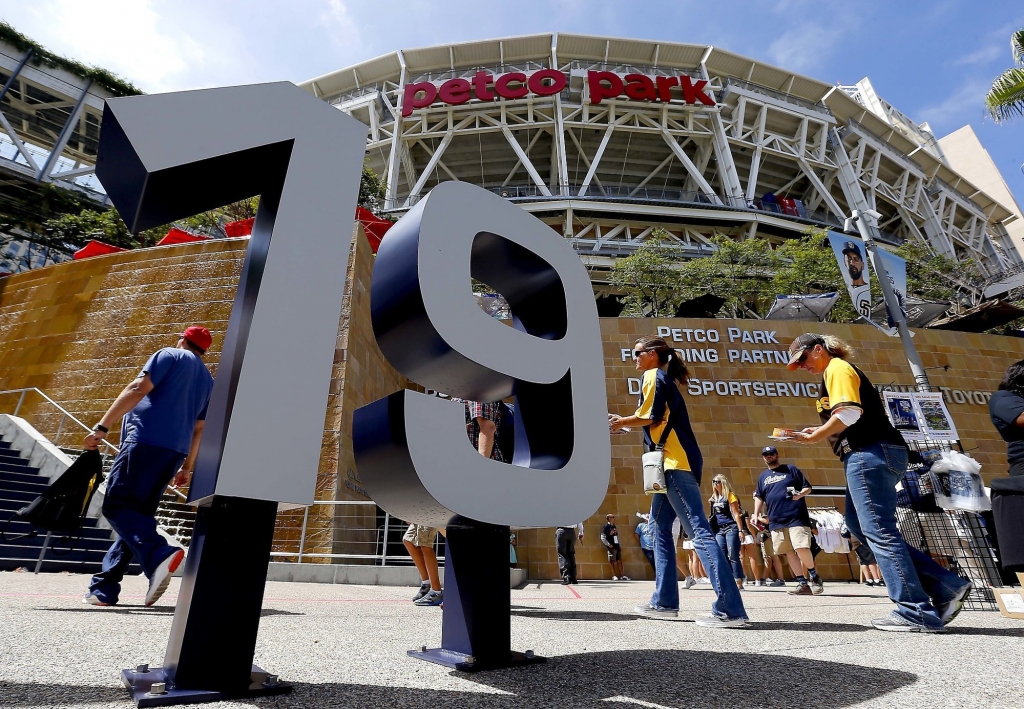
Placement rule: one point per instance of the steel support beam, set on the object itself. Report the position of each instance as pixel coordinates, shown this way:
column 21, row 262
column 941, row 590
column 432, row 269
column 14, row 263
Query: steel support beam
column 65, row 135
column 597, row 158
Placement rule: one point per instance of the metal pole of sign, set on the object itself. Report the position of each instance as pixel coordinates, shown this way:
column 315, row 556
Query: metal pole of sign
column 384, row 549
column 21, row 400
column 302, row 534
column 891, row 303
column 42, row 553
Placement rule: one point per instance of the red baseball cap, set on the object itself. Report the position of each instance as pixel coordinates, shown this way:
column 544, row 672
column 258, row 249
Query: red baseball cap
column 198, row 336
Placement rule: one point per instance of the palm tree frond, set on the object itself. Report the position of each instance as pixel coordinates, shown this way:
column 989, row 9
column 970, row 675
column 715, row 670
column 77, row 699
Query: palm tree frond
column 1005, row 100
column 1017, row 46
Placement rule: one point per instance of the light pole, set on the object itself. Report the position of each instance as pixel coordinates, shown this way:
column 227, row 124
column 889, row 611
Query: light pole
column 891, row 302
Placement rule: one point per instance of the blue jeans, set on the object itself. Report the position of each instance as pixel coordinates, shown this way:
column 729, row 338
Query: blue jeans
column 138, row 477
column 913, row 579
column 683, row 499
column 728, row 539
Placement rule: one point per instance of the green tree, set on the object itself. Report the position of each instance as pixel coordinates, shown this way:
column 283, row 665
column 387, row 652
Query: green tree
column 212, row 223
column 739, row 271
column 649, row 278
column 1006, row 97
column 372, row 190
column 70, row 232
column 935, row 277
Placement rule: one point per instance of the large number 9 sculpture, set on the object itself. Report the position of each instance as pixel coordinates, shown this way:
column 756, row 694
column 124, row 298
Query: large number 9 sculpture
column 165, row 157
column 412, row 451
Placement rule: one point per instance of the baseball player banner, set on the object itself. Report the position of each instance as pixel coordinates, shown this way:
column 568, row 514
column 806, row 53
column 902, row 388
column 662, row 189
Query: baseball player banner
column 896, row 268
column 852, row 260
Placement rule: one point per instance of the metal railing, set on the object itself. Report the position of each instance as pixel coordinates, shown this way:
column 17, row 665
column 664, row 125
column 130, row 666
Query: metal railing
column 365, row 533
column 65, row 415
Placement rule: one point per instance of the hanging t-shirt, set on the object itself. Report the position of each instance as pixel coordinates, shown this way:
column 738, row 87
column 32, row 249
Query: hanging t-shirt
column 773, row 488
column 1004, row 407
column 721, row 509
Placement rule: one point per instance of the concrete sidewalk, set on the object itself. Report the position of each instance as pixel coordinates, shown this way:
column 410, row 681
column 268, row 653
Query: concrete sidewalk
column 344, row 646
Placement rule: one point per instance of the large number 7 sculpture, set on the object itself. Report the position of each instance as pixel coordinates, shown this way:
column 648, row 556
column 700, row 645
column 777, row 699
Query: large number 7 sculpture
column 169, row 156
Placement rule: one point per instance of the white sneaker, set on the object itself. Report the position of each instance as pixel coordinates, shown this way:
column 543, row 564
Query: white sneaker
column 703, row 579
column 93, row 600
column 714, row 621
column 615, row 578
column 689, row 583
column 655, row 612
column 624, row 578
column 162, row 576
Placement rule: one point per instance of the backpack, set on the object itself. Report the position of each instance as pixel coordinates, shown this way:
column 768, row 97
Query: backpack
column 506, row 433
column 63, row 505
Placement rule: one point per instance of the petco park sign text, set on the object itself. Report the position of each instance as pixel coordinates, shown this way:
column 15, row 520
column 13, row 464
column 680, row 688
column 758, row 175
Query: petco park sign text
column 602, row 85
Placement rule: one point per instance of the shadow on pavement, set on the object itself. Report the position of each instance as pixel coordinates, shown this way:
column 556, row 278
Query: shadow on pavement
column 572, row 615
column 994, row 632
column 810, row 626
column 143, row 610
column 659, row 679
column 656, row 678
column 34, row 694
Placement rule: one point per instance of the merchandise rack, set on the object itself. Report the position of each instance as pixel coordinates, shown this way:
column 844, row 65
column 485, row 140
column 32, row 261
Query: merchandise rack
column 957, row 539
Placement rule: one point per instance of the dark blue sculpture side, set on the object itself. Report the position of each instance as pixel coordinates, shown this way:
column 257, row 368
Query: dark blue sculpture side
column 411, row 449
column 165, row 157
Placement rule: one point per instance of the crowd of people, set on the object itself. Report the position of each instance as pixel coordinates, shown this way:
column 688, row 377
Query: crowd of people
column 874, row 457
column 725, row 546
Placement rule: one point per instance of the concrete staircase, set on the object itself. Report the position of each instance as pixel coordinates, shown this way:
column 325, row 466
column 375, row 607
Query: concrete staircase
column 20, row 483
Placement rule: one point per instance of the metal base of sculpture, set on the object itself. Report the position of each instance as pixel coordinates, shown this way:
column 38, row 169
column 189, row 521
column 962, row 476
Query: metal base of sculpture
column 141, row 687
column 476, row 627
column 213, row 636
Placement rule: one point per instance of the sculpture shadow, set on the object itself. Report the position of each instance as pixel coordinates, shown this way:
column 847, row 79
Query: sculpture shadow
column 34, row 694
column 143, row 610
column 665, row 678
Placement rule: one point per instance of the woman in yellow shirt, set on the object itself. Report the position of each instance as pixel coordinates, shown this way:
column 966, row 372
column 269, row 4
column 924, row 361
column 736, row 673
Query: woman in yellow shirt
column 661, row 405
column 727, row 523
column 874, row 456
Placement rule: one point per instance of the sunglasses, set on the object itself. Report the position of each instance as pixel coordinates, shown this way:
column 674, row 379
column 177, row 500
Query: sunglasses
column 637, row 353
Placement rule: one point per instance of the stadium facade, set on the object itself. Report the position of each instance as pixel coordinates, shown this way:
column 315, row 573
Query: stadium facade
column 606, row 139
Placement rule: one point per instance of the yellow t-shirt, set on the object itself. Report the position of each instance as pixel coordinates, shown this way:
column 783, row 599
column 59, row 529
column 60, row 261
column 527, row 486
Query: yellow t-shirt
column 842, row 386
column 675, row 456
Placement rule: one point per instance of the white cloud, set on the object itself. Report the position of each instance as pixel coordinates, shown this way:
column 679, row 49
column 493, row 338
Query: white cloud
column 137, row 40
column 963, row 105
column 339, row 24
column 983, row 55
column 802, row 48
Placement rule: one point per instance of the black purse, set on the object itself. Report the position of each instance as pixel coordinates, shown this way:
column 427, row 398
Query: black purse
column 61, row 508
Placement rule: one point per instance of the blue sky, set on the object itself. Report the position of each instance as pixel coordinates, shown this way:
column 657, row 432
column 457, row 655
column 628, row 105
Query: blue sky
column 932, row 60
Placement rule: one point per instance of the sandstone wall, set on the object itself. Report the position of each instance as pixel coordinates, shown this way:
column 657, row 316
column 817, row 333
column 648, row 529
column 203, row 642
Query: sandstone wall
column 80, row 331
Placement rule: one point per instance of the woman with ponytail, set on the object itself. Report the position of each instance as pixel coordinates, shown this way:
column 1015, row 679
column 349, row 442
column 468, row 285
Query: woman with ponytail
column 661, row 405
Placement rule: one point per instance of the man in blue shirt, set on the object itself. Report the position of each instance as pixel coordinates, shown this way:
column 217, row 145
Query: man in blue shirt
column 643, row 533
column 781, row 490
column 164, row 410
